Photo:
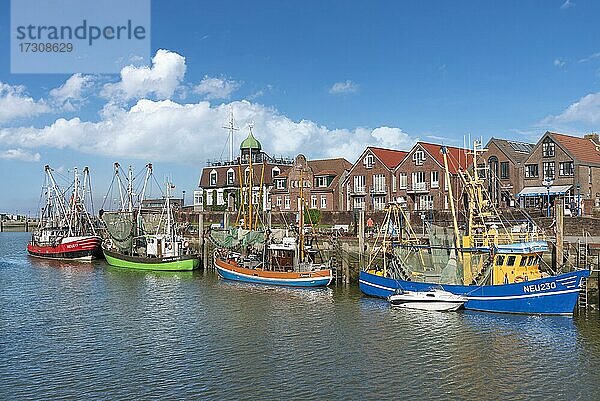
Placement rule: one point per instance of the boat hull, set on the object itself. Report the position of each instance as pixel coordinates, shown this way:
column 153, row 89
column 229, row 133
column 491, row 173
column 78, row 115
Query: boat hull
column 231, row 271
column 555, row 295
column 83, row 248
column 439, row 306
column 176, row 263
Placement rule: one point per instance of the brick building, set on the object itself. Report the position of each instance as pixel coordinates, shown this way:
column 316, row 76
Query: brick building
column 370, row 181
column 505, row 162
column 563, row 165
column 320, row 181
column 420, row 176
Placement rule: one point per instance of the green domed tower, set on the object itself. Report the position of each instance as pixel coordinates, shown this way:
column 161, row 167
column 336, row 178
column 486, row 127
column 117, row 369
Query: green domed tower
column 251, row 145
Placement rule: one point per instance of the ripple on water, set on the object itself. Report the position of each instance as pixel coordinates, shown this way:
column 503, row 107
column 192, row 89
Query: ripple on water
column 71, row 331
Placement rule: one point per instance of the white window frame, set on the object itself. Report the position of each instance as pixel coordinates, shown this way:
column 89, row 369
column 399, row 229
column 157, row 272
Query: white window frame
column 323, row 201
column 403, row 180
column 213, row 178
column 435, row 179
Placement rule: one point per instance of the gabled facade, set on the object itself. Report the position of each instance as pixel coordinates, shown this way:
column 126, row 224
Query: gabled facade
column 563, row 165
column 220, row 182
column 320, row 181
column 505, row 169
column 370, row 181
column 421, row 180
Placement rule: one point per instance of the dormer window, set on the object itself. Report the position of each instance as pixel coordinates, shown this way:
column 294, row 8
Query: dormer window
column 213, row 178
column 548, row 148
column 369, row 161
column 418, row 157
column 280, row 183
column 275, row 172
column 230, row 176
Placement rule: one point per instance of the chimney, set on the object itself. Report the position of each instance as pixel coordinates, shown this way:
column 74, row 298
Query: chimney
column 592, row 137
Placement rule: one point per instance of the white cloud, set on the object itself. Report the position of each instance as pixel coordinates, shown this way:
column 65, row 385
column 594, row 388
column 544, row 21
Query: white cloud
column 161, row 79
column 15, row 103
column 567, row 4
column 585, row 110
column 559, row 63
column 216, row 88
column 343, row 87
column 187, row 133
column 591, row 57
column 70, row 94
column 20, row 154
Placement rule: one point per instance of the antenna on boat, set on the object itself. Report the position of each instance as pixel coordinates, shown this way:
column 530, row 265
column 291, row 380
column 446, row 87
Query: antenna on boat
column 231, row 127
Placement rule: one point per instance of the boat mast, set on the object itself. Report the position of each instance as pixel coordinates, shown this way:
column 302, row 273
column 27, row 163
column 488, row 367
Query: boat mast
column 61, row 207
column 88, row 184
column 130, row 189
column 301, row 215
column 117, row 166
column 146, row 179
column 250, row 188
column 231, row 128
column 452, row 207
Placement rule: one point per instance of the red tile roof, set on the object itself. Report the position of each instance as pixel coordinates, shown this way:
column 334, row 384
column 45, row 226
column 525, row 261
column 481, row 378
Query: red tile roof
column 458, row 158
column 583, row 149
column 391, row 158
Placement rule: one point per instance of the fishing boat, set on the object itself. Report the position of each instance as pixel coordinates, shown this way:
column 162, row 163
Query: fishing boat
column 132, row 245
column 276, row 257
column 66, row 229
column 496, row 268
column 436, row 299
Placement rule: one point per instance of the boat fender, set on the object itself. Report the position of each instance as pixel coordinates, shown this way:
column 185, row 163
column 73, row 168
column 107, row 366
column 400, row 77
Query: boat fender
column 519, row 279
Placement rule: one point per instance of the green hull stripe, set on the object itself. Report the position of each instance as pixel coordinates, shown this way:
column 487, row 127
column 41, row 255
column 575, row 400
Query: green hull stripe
column 177, row 265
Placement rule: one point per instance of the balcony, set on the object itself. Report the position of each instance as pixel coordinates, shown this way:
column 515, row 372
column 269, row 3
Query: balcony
column 358, row 191
column 378, row 190
column 418, row 188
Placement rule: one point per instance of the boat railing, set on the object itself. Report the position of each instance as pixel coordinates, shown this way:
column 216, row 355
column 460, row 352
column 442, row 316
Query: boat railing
column 486, row 239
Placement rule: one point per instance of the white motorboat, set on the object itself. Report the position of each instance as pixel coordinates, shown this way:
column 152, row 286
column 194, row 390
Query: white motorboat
column 435, row 299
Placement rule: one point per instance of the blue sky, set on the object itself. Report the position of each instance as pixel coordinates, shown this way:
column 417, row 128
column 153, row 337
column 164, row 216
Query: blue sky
column 321, row 78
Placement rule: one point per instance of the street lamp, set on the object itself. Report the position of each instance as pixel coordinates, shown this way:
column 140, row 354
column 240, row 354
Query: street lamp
column 183, row 199
column 548, row 183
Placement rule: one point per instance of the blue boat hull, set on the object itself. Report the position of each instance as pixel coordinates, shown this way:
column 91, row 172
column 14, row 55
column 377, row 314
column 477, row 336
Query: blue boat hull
column 555, row 295
column 309, row 282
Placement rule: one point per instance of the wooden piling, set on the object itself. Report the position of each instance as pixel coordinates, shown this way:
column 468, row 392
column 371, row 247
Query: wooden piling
column 361, row 236
column 201, row 243
column 345, row 256
column 559, row 212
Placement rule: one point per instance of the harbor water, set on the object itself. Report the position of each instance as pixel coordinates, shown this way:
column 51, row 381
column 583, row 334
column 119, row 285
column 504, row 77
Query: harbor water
column 90, row 331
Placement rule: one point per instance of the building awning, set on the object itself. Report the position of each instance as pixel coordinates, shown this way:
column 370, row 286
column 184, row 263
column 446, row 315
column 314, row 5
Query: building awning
column 543, row 191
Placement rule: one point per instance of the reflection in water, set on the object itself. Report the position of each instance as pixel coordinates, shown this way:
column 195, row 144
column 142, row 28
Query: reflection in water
column 86, row 331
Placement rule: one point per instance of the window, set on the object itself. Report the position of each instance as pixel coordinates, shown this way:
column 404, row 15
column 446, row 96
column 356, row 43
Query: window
column 523, row 261
column 209, row 197
column 247, row 175
column 548, row 148
column 323, row 201
column 394, row 183
column 499, row 260
column 511, row 260
column 280, row 183
column 481, row 169
column 369, row 161
column 359, row 202
column 531, row 171
column 504, row 170
column 359, row 183
column 313, row 201
column 403, row 180
column 379, row 183
column 418, row 157
column 287, row 202
column 279, row 201
column 197, row 198
column 566, row 168
column 549, row 170
column 220, row 199
column 213, row 178
column 426, row 202
column 275, row 172
column 379, row 203
column 230, row 176
column 435, row 179
column 321, row 182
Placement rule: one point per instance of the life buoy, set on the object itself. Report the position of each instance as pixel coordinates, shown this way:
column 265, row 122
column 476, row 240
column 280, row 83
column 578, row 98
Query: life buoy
column 519, row 279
